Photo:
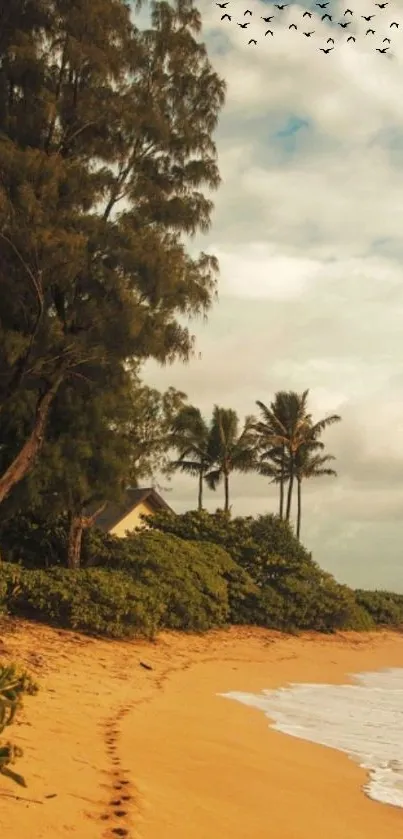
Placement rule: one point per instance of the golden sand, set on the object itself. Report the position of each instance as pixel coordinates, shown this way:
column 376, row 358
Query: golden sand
column 114, row 749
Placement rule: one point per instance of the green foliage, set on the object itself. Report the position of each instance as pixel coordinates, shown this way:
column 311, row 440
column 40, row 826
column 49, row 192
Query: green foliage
column 385, row 607
column 293, row 592
column 200, row 586
column 34, row 541
column 14, row 683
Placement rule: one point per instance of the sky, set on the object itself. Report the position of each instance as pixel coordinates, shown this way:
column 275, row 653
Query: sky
column 307, row 228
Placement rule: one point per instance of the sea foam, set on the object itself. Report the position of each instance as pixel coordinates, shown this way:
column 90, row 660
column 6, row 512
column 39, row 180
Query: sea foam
column 364, row 719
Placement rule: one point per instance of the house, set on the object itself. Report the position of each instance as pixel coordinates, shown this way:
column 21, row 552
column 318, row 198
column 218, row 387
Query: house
column 118, row 519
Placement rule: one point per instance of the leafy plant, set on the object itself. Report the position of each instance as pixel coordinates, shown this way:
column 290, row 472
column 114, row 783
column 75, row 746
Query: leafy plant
column 13, row 684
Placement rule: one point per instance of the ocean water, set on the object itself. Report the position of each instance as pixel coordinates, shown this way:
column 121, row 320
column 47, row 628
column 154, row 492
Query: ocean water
column 364, row 719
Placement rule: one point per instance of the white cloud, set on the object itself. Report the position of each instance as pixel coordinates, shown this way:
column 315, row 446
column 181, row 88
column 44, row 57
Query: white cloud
column 308, row 231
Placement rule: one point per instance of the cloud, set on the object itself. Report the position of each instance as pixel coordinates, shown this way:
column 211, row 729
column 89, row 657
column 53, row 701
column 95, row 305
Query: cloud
column 308, row 231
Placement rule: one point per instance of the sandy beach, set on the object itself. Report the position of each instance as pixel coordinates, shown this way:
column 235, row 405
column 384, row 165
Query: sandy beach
column 114, row 749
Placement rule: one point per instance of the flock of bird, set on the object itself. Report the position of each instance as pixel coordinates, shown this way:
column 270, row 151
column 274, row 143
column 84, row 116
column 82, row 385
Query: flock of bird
column 324, row 17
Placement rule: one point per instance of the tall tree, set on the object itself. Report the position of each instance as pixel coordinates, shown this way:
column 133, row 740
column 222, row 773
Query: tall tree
column 94, row 112
column 190, row 438
column 286, row 426
column 230, row 450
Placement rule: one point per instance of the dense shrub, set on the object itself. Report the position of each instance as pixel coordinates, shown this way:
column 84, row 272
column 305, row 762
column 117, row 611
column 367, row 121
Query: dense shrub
column 33, row 541
column 385, row 607
column 200, row 584
column 96, row 600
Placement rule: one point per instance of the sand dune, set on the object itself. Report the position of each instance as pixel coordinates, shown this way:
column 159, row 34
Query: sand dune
column 114, row 749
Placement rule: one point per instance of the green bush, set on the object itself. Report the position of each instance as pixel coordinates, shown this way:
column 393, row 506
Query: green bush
column 33, row 541
column 292, row 590
column 13, row 684
column 96, row 601
column 200, row 584
column 385, row 607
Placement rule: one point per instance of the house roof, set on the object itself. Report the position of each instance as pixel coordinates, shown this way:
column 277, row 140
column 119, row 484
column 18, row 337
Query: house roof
column 114, row 513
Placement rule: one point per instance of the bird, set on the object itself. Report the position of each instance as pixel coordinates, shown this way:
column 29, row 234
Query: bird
column 243, row 25
column 381, row 5
column 268, row 19
column 247, row 12
column 367, row 18
column 146, row 666
column 383, row 51
column 348, row 12
column 394, row 24
column 329, row 17
column 330, row 41
column 222, row 5
column 252, row 41
column 224, row 16
column 308, row 34
column 370, row 31
column 269, row 32
column 326, row 51
column 307, row 14
column 344, row 25
column 351, row 38
column 386, row 39
column 322, row 5
column 276, row 5
column 292, row 26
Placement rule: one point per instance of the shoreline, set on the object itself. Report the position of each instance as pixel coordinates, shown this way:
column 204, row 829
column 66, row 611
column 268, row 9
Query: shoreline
column 159, row 753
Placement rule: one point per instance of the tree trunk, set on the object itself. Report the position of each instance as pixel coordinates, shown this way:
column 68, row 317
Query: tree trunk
column 282, row 483
column 298, row 508
column 290, row 488
column 226, row 492
column 26, row 457
column 75, row 539
column 200, row 495
column 78, row 524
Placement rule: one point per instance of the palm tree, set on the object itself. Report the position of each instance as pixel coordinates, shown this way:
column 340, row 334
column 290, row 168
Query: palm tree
column 281, row 432
column 284, row 428
column 309, row 465
column 190, row 436
column 229, row 450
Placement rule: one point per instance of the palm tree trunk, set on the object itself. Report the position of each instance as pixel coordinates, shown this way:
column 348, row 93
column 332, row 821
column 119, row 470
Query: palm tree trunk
column 290, row 488
column 226, row 492
column 200, row 494
column 282, row 483
column 298, row 508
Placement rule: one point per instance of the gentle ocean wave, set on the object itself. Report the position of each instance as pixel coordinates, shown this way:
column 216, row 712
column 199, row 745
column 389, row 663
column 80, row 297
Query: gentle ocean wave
column 365, row 720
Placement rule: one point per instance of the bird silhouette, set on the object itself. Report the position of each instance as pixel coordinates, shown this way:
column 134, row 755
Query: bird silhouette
column 247, row 12
column 268, row 19
column 292, row 26
column 269, row 32
column 252, row 41
column 370, row 31
column 276, row 5
column 329, row 17
column 381, row 5
column 322, row 5
column 348, row 12
column 222, row 5
column 330, row 41
column 329, row 49
column 394, row 24
column 224, row 16
column 307, row 14
column 383, row 51
column 386, row 39
column 351, row 38
column 344, row 25
column 243, row 25
column 367, row 18
column 308, row 34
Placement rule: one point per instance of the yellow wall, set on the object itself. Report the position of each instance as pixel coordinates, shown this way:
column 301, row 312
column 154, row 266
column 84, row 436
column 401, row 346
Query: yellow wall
column 132, row 520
